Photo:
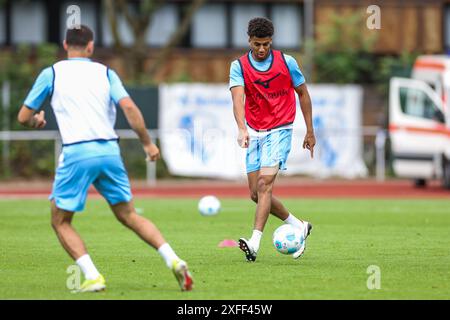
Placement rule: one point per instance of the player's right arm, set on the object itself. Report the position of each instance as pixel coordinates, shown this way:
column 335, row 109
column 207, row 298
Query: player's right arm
column 237, row 94
column 133, row 115
column 28, row 115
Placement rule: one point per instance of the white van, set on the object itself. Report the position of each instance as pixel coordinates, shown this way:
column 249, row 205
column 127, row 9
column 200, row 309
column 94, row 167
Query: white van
column 419, row 121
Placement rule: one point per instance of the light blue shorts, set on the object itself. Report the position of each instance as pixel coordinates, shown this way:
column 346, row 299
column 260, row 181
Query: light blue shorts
column 106, row 173
column 269, row 150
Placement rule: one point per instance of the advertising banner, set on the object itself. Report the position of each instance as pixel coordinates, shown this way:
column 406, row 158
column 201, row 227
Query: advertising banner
column 198, row 132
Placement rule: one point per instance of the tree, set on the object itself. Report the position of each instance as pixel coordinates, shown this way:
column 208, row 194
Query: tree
column 343, row 54
column 139, row 19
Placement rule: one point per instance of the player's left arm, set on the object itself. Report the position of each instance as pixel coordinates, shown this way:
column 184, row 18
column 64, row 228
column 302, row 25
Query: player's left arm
column 298, row 81
column 28, row 114
column 133, row 115
column 306, row 106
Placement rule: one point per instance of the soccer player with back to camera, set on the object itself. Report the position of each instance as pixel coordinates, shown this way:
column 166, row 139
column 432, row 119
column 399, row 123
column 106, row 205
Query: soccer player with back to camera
column 268, row 79
column 83, row 96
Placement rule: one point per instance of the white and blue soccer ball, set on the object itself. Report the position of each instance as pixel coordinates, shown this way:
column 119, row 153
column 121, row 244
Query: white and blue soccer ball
column 209, row 206
column 288, row 239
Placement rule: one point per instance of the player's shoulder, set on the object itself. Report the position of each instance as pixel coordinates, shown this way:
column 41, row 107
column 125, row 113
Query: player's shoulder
column 47, row 70
column 235, row 66
column 47, row 74
column 235, row 63
column 289, row 59
column 57, row 63
column 291, row 62
column 99, row 65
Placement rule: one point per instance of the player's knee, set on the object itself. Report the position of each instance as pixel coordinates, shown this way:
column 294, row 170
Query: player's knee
column 254, row 196
column 123, row 219
column 58, row 221
column 126, row 219
column 55, row 224
column 264, row 187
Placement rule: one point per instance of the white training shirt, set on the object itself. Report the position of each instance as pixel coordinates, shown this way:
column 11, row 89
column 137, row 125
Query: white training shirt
column 81, row 101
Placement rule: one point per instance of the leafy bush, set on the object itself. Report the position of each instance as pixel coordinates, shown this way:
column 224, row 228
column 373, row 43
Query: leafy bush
column 20, row 67
column 343, row 54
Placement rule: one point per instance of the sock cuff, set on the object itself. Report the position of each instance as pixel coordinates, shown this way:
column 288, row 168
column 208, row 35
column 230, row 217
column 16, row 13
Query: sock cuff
column 257, row 232
column 168, row 254
column 288, row 218
column 163, row 247
column 82, row 258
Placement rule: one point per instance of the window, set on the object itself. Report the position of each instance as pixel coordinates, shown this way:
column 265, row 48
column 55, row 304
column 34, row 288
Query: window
column 29, row 22
column 287, row 23
column 286, row 18
column 2, row 26
column 87, row 16
column 124, row 30
column 241, row 14
column 447, row 28
column 162, row 26
column 203, row 35
column 417, row 103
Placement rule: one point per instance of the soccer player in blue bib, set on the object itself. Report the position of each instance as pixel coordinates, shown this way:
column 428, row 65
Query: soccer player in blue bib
column 83, row 96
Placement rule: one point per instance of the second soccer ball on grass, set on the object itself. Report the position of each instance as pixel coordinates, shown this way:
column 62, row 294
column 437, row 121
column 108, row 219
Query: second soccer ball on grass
column 209, row 206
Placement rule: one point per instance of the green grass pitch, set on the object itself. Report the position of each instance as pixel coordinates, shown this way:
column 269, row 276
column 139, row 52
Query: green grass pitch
column 409, row 240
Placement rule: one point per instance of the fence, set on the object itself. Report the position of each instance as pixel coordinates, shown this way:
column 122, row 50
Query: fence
column 377, row 134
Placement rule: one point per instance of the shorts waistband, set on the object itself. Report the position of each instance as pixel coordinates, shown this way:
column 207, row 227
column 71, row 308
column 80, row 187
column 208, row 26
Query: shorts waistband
column 268, row 130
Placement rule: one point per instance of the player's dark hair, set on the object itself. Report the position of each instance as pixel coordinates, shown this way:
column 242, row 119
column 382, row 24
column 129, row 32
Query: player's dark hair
column 79, row 36
column 260, row 27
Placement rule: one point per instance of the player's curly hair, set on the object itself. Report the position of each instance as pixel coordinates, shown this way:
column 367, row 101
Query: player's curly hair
column 260, row 27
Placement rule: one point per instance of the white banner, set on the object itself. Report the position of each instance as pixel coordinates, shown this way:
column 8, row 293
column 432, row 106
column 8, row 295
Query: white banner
column 198, row 132
column 337, row 121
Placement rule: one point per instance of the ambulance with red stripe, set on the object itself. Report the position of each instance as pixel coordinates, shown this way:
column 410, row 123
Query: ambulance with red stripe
column 419, row 121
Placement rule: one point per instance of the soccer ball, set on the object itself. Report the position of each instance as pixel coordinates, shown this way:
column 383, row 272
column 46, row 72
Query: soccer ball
column 288, row 239
column 209, row 206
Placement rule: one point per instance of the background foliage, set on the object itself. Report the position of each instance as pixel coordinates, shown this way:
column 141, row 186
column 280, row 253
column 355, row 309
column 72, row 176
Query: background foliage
column 342, row 54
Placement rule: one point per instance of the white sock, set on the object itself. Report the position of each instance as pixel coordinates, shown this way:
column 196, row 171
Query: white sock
column 293, row 221
column 168, row 254
column 255, row 239
column 87, row 266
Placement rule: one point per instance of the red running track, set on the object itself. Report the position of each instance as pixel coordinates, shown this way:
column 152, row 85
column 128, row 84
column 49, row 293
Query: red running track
column 296, row 188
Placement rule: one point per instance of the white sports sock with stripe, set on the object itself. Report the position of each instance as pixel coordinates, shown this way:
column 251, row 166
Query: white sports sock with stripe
column 255, row 239
column 168, row 254
column 293, row 221
column 87, row 266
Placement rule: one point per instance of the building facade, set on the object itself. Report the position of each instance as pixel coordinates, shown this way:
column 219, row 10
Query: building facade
column 217, row 33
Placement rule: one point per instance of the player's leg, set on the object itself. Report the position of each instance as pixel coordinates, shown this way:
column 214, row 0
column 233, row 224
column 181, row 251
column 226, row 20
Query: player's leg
column 253, row 166
column 144, row 228
column 264, row 159
column 261, row 176
column 114, row 185
column 264, row 186
column 264, row 189
column 278, row 145
column 68, row 196
column 147, row 231
column 277, row 208
column 66, row 233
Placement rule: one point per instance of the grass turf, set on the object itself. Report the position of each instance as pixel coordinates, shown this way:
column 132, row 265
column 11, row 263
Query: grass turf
column 409, row 240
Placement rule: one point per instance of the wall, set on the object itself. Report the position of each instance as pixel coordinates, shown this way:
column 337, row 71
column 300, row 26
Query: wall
column 405, row 25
